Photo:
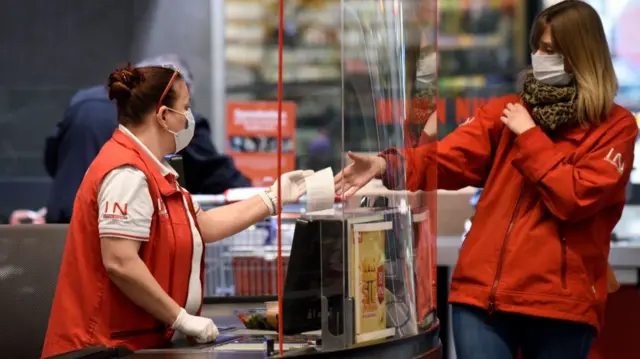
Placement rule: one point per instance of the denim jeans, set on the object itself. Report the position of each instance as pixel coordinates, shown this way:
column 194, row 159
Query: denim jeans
column 504, row 334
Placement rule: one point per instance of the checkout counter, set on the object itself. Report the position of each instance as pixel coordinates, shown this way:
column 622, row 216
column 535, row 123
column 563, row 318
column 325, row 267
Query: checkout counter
column 332, row 308
column 30, row 257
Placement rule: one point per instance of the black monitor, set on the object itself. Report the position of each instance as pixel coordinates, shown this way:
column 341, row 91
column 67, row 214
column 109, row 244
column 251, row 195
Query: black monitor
column 301, row 305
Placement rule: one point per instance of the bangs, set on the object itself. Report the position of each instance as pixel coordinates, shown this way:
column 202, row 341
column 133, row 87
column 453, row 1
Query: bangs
column 539, row 27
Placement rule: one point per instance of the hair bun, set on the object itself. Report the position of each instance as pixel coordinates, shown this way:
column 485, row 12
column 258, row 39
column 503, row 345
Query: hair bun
column 123, row 81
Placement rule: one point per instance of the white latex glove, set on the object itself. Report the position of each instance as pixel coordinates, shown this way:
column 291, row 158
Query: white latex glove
column 293, row 187
column 203, row 330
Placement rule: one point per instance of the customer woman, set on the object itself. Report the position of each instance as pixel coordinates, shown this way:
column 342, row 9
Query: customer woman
column 132, row 269
column 553, row 162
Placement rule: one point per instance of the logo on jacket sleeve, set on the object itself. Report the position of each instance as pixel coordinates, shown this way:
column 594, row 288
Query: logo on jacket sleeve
column 468, row 121
column 615, row 158
column 115, row 210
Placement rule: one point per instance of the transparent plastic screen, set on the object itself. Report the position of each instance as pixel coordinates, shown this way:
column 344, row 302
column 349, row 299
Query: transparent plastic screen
column 378, row 249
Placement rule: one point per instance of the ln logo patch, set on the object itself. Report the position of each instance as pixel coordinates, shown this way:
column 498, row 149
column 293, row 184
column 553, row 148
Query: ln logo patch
column 115, row 210
column 615, row 159
column 468, row 121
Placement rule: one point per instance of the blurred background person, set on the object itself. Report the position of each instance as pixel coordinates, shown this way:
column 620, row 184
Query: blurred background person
column 320, row 151
column 89, row 121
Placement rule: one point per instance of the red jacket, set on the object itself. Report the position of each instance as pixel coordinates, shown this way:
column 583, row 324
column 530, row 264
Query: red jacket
column 88, row 308
column 540, row 238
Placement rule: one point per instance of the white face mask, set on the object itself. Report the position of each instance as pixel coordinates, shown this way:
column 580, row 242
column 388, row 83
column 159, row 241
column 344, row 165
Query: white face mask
column 184, row 136
column 549, row 69
column 427, row 67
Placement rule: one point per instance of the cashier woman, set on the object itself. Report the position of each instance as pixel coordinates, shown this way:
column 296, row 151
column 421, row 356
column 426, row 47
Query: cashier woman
column 132, row 268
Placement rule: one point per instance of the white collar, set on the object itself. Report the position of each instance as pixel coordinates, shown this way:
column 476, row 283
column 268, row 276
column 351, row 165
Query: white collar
column 164, row 166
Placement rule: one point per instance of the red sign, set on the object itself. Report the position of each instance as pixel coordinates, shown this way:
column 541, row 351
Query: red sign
column 252, row 139
column 464, row 108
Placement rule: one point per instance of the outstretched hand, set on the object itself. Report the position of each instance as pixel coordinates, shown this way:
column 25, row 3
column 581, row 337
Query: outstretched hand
column 293, row 185
column 358, row 174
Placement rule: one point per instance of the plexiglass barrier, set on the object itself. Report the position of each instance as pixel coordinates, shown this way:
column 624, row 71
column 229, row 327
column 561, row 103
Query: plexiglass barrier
column 365, row 272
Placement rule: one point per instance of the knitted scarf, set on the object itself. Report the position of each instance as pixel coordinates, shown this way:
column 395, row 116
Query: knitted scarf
column 552, row 106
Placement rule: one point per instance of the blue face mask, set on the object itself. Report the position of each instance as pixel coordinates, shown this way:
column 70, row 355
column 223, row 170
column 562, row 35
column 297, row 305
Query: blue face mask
column 549, row 69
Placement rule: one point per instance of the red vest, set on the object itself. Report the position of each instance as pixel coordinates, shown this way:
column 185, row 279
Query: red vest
column 88, row 308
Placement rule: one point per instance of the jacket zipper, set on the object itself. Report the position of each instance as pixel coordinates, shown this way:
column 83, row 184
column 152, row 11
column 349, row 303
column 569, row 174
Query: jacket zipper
column 563, row 265
column 496, row 281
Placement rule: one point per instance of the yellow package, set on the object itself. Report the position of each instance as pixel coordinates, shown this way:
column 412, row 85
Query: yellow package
column 351, row 247
column 370, row 301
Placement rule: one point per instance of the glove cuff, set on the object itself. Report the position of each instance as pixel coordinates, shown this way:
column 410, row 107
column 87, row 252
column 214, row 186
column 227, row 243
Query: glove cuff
column 178, row 323
column 270, row 200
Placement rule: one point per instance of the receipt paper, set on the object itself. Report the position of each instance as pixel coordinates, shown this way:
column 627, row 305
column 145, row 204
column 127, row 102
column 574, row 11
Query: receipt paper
column 320, row 190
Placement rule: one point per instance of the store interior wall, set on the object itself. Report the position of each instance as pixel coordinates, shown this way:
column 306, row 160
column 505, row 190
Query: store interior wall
column 183, row 28
column 50, row 49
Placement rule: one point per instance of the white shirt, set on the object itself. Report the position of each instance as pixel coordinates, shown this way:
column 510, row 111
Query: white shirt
column 125, row 209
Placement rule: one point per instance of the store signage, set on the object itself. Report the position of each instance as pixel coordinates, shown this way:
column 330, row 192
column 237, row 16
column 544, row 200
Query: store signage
column 463, row 109
column 459, row 109
column 252, row 139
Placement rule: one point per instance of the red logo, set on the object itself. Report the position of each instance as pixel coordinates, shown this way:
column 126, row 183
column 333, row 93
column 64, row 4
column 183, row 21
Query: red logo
column 615, row 159
column 115, row 210
column 467, row 121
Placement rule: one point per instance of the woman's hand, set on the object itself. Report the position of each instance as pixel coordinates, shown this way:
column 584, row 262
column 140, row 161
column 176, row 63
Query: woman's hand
column 359, row 173
column 293, row 187
column 202, row 329
column 517, row 118
column 222, row 222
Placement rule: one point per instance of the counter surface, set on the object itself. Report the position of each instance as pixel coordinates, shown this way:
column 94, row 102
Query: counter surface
column 223, row 316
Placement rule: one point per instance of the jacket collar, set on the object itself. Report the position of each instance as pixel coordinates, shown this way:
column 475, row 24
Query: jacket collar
column 165, row 176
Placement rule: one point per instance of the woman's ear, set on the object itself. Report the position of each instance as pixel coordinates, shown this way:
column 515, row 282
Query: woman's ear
column 161, row 117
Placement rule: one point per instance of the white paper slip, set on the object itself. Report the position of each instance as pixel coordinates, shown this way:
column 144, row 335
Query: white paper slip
column 321, row 191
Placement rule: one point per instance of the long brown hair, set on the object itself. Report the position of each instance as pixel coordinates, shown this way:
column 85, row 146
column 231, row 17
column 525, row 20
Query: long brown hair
column 578, row 35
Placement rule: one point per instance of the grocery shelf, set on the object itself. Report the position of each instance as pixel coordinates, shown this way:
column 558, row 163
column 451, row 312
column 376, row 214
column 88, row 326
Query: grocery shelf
column 467, row 41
